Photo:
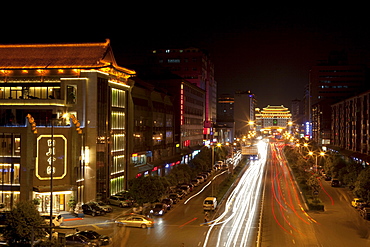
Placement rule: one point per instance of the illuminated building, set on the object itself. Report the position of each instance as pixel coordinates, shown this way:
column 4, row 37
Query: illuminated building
column 273, row 119
column 330, row 82
column 188, row 101
column 244, row 112
column 225, row 119
column 350, row 127
column 77, row 95
column 195, row 66
column 153, row 151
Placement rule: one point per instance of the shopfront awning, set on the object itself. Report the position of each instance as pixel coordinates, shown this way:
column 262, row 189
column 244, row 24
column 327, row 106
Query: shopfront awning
column 56, row 188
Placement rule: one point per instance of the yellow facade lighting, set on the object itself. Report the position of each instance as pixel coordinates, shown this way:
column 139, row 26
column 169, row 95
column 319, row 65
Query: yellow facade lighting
column 32, row 123
column 76, row 123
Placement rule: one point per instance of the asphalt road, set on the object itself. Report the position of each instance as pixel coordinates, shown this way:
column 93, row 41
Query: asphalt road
column 285, row 218
column 181, row 226
column 287, row 222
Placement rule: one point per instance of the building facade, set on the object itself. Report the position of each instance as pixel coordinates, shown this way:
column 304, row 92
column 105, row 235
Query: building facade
column 153, row 150
column 195, row 66
column 350, row 126
column 244, row 112
column 272, row 120
column 330, row 82
column 188, row 101
column 64, row 111
column 225, row 119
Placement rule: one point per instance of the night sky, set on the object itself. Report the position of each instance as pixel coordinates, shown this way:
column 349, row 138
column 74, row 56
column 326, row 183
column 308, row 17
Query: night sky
column 266, row 51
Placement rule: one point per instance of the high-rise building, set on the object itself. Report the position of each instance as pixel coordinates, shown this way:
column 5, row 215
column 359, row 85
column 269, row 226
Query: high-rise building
column 225, row 118
column 244, row 112
column 195, row 66
column 331, row 82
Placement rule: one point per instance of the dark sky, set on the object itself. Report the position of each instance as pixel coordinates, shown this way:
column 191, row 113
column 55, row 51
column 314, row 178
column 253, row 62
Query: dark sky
column 266, row 51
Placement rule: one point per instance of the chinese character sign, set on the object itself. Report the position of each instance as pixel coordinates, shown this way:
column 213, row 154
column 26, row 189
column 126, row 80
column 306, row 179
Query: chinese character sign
column 51, row 157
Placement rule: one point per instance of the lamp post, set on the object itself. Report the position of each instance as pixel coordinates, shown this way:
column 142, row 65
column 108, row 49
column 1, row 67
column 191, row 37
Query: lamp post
column 52, row 148
column 322, row 154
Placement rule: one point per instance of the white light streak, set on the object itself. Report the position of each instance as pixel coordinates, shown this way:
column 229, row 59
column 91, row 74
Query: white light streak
column 241, row 207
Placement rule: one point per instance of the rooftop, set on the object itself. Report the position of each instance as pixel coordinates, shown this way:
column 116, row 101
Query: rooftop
column 44, row 56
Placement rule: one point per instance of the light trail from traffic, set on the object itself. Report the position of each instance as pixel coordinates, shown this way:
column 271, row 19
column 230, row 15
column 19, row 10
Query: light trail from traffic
column 241, row 207
column 285, row 196
column 234, row 161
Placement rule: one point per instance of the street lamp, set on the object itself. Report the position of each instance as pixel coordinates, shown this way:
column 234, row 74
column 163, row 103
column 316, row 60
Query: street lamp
column 322, row 154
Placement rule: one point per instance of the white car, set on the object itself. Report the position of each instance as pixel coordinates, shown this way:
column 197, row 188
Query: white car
column 57, row 219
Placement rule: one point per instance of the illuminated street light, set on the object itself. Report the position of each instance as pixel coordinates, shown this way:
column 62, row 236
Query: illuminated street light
column 322, row 154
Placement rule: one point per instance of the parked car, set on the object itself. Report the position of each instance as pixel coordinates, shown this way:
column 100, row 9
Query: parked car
column 120, row 201
column 175, row 197
column 168, row 202
column 335, row 183
column 195, row 182
column 135, row 220
column 191, row 186
column 185, row 188
column 204, row 175
column 79, row 240
column 92, row 210
column 103, row 206
column 201, row 179
column 158, row 209
column 96, row 237
column 357, row 202
column 219, row 164
column 181, row 193
column 57, row 219
column 122, row 193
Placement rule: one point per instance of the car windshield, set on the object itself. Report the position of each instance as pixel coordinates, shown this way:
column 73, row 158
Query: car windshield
column 158, row 206
column 208, row 202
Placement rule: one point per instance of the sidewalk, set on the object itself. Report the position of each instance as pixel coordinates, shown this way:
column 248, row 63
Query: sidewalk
column 71, row 219
column 68, row 216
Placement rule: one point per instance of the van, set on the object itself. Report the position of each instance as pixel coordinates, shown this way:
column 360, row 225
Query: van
column 210, row 203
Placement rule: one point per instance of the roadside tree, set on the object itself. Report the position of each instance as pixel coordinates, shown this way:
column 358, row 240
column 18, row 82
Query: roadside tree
column 148, row 189
column 23, row 225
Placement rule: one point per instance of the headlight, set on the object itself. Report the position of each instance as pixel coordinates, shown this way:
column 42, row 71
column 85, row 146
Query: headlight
column 161, row 212
column 151, row 211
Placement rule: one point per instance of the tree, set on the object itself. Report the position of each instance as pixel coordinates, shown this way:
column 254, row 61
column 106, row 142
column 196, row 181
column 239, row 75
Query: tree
column 314, row 183
column 148, row 189
column 23, row 224
column 362, row 185
column 333, row 164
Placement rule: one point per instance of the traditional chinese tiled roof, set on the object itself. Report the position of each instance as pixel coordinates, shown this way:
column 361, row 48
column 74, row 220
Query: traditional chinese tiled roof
column 44, row 56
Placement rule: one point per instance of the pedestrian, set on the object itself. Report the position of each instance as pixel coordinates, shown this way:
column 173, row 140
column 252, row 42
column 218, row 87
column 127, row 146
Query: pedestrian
column 206, row 218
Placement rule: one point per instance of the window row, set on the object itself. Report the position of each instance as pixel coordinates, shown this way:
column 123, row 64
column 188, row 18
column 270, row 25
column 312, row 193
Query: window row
column 21, row 92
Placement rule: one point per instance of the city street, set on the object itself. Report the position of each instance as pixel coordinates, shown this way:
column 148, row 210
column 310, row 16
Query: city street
column 173, row 229
column 286, row 222
column 285, row 218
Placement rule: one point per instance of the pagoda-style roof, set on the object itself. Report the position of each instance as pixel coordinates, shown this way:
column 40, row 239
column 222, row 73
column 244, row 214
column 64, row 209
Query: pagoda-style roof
column 275, row 109
column 55, row 56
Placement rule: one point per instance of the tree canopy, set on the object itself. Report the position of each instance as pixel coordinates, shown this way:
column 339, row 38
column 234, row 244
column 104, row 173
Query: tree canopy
column 23, row 222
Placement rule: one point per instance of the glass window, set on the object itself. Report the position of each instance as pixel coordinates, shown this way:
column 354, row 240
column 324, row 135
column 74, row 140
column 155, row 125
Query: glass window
column 71, row 94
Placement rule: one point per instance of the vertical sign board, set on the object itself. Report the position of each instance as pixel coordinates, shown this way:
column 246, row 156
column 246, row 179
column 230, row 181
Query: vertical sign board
column 51, row 153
